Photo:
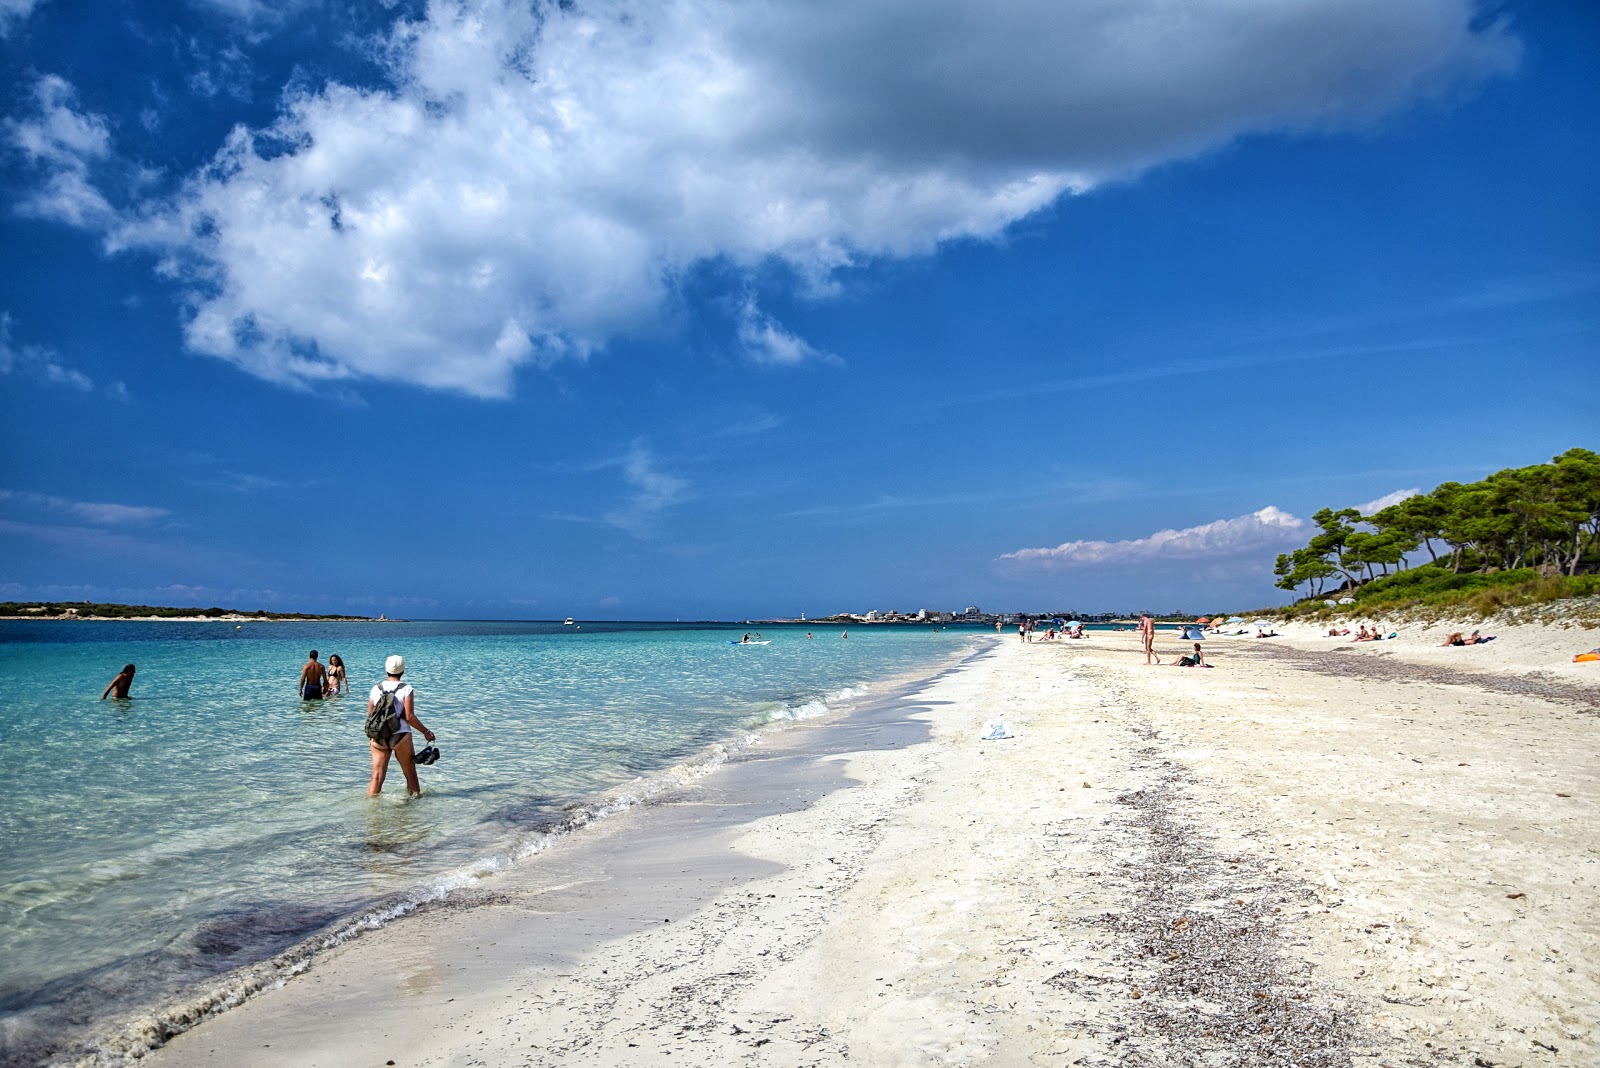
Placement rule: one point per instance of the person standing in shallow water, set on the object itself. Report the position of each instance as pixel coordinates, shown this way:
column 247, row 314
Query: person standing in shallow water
column 400, row 745
column 313, row 679
column 121, row 683
column 337, row 682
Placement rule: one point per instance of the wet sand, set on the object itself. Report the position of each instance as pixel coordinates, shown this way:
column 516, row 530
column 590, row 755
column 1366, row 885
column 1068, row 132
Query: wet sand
column 1303, row 856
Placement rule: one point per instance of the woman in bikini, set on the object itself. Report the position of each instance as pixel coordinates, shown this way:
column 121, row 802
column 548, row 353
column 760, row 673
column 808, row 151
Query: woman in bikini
column 337, row 682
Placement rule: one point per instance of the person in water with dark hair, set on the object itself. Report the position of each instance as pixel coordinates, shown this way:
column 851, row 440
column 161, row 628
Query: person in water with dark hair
column 121, row 683
column 338, row 682
column 313, row 683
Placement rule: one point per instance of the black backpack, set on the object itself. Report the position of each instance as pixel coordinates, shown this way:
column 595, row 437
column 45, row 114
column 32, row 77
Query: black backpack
column 383, row 722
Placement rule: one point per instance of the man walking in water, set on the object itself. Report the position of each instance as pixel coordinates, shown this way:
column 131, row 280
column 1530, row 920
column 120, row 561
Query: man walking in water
column 1147, row 635
column 313, row 679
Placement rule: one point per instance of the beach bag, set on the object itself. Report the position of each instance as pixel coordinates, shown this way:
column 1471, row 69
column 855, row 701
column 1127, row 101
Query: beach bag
column 383, row 722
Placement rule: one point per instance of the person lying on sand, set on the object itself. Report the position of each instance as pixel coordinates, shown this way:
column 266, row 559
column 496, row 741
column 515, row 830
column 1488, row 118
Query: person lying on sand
column 1456, row 639
column 1338, row 632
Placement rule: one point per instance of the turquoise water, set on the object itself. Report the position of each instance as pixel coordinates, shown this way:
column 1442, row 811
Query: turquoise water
column 215, row 819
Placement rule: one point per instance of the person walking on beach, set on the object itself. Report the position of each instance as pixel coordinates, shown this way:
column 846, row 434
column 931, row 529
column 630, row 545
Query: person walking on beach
column 399, row 746
column 313, row 679
column 121, row 683
column 1147, row 636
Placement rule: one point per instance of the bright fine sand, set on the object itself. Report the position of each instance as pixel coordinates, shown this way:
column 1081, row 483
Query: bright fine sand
column 1315, row 854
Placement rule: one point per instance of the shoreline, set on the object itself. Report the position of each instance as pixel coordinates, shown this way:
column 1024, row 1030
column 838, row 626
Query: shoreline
column 1265, row 860
column 127, row 1035
column 195, row 619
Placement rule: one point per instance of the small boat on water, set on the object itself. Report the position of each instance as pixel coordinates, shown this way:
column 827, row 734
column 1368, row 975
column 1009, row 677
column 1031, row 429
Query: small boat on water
column 568, row 623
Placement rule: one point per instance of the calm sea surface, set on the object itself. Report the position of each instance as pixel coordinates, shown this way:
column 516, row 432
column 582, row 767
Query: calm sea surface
column 215, row 819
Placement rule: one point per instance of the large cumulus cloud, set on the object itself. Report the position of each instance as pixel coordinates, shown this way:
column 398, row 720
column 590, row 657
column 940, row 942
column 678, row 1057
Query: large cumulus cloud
column 532, row 180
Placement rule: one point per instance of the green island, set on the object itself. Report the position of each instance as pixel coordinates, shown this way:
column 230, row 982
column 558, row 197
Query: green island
column 89, row 610
column 1522, row 537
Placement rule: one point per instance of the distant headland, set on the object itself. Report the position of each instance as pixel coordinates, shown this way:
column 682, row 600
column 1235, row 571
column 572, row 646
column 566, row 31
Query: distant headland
column 89, row 610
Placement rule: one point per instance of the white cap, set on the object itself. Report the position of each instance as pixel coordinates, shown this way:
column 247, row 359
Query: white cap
column 395, row 665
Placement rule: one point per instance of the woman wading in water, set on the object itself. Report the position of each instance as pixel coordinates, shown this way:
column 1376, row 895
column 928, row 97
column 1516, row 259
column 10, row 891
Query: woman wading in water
column 400, row 745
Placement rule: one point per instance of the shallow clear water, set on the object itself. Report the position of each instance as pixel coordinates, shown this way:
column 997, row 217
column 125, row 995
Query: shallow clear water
column 215, row 818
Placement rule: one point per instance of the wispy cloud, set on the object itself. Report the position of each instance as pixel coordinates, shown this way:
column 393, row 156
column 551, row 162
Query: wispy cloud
column 652, row 492
column 13, row 12
column 101, row 514
column 64, row 144
column 767, row 343
column 1059, row 493
column 1269, row 529
column 37, row 363
column 751, row 426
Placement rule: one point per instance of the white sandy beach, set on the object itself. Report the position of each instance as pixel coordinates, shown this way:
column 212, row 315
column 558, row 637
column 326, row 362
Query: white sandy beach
column 1316, row 853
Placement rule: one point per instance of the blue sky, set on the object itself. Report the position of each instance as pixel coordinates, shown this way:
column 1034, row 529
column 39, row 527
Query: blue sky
column 696, row 309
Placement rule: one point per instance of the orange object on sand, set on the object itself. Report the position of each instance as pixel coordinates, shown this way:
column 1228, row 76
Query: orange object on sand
column 1593, row 654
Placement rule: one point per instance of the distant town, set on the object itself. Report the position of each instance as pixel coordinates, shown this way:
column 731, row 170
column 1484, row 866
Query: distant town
column 973, row 614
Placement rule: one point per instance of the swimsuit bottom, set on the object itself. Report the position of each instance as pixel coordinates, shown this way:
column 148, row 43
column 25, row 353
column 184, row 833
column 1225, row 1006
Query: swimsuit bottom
column 311, row 692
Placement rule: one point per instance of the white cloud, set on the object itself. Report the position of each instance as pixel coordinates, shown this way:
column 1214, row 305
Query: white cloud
column 13, row 12
column 535, row 177
column 652, row 492
column 64, row 143
column 1268, row 530
column 37, row 362
column 1387, row 499
column 766, row 342
column 91, row 511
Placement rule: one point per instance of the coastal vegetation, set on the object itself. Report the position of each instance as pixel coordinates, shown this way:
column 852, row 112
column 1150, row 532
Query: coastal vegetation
column 1522, row 536
column 88, row 610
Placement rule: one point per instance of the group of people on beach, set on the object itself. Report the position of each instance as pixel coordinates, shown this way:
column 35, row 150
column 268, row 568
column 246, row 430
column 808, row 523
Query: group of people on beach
column 1028, row 628
column 318, row 682
column 1362, row 634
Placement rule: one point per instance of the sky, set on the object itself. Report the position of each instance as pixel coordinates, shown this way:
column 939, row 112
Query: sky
column 685, row 309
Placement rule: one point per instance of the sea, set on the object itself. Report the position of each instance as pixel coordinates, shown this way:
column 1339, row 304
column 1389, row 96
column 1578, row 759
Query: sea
column 157, row 847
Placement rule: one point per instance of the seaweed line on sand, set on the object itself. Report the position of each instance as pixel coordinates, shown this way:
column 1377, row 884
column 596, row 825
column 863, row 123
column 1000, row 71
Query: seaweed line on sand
column 1328, row 662
column 1205, row 977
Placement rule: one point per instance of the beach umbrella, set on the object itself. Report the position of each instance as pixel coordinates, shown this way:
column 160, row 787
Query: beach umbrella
column 1203, row 619
column 1074, row 623
column 1236, row 619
